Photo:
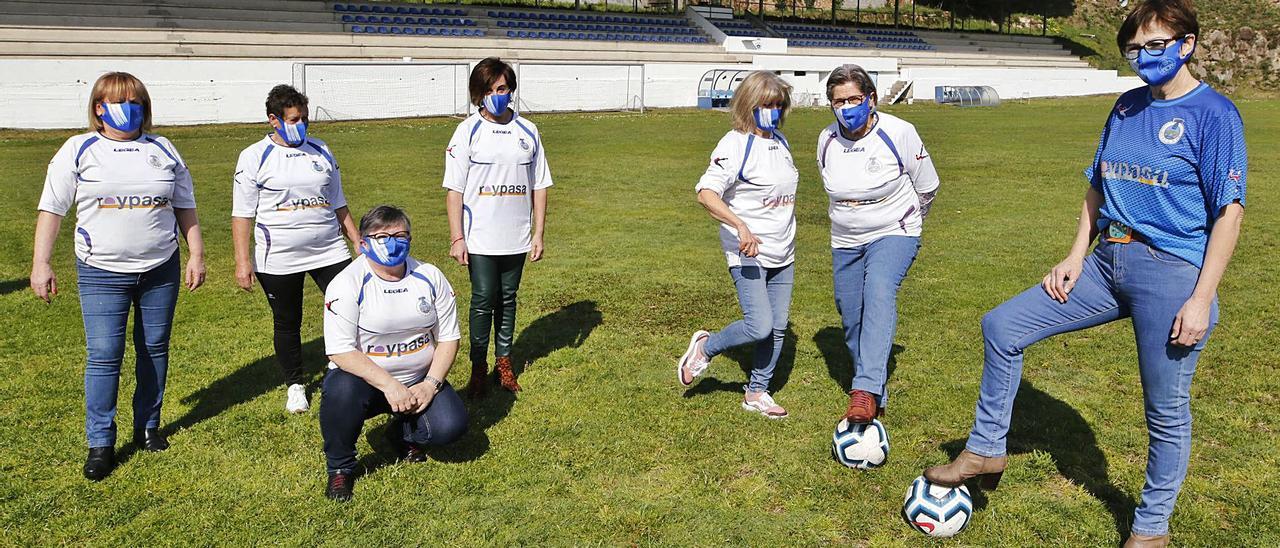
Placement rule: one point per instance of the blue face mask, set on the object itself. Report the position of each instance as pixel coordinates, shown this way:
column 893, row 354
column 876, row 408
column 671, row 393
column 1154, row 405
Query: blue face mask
column 392, row 253
column 854, row 117
column 126, row 117
column 496, row 103
column 292, row 134
column 1156, row 70
column 767, row 118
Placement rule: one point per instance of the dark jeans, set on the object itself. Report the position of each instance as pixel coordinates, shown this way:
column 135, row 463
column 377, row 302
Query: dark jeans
column 349, row 401
column 105, row 300
column 494, row 282
column 284, row 294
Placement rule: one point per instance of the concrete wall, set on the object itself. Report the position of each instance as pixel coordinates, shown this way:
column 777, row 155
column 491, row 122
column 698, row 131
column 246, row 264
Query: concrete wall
column 53, row 93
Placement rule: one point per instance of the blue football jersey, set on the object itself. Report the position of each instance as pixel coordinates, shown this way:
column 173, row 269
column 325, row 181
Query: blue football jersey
column 1167, row 168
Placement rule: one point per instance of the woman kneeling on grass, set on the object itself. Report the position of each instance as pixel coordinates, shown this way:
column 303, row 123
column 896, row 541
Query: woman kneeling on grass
column 1166, row 192
column 750, row 187
column 133, row 196
column 391, row 331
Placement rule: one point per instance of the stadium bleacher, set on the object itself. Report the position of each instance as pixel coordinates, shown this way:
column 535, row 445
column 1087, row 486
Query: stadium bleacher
column 738, row 27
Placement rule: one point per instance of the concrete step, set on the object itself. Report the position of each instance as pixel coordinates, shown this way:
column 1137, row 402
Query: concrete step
column 165, row 22
column 90, row 9
column 277, row 5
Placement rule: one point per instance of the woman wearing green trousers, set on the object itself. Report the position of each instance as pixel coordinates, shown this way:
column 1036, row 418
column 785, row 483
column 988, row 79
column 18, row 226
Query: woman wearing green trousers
column 497, row 177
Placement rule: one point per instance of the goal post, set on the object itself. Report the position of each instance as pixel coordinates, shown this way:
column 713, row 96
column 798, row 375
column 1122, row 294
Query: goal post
column 340, row 90
column 551, row 86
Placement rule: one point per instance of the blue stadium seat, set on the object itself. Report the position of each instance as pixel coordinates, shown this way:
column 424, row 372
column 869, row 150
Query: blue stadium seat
column 339, row 7
column 348, row 19
column 357, row 29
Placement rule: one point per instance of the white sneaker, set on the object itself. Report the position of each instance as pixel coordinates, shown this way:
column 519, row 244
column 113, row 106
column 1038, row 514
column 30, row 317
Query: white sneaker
column 297, row 399
column 764, row 405
column 694, row 362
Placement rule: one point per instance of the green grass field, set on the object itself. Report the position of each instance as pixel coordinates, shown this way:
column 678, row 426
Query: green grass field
column 603, row 447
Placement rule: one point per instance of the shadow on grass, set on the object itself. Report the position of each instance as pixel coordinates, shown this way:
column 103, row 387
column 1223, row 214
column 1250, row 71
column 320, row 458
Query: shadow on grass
column 745, row 357
column 13, row 286
column 567, row 327
column 1044, row 423
column 835, row 353
column 240, row 386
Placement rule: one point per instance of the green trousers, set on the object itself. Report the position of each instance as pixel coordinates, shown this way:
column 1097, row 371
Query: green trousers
column 494, row 282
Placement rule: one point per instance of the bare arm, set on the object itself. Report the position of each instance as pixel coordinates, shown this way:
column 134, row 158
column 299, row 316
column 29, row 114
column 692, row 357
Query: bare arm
column 358, row 364
column 1059, row 281
column 189, row 225
column 539, row 221
column 748, row 243
column 241, row 240
column 348, row 225
column 1192, row 321
column 43, row 281
column 457, row 243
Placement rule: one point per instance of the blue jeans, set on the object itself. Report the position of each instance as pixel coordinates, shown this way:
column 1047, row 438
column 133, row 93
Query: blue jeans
column 765, row 297
column 105, row 300
column 350, row 400
column 1118, row 281
column 866, row 280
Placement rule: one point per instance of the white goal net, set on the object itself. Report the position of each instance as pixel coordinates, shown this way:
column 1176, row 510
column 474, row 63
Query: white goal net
column 363, row 91
column 555, row 86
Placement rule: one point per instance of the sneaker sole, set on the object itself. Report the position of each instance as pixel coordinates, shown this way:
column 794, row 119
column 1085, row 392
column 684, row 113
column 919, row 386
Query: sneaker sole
column 688, row 354
column 746, row 407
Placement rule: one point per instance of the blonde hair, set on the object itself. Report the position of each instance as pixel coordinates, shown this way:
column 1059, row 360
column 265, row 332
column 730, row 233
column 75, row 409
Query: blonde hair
column 116, row 87
column 758, row 88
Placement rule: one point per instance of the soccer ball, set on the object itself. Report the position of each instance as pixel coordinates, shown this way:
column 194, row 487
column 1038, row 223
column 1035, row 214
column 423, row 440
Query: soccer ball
column 860, row 446
column 935, row 510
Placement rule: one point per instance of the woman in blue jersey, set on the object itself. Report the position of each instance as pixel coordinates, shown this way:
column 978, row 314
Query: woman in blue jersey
column 750, row 188
column 287, row 200
column 133, row 197
column 496, row 180
column 1166, row 196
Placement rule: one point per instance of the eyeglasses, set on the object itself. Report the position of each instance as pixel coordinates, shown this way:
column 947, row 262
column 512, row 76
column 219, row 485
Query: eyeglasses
column 1154, row 47
column 851, row 100
column 382, row 237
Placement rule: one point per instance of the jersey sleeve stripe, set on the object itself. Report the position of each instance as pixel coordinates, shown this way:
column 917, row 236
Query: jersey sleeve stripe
column 745, row 155
column 885, row 137
column 360, row 298
column 83, row 148
column 419, row 276
column 325, row 154
column 265, row 153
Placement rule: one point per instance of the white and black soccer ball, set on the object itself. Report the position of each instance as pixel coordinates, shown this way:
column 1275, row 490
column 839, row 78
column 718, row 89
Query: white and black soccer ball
column 935, row 510
column 860, row 446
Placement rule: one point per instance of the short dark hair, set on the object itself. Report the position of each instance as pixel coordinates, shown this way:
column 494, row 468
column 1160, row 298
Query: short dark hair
column 845, row 74
column 285, row 96
column 381, row 217
column 487, row 72
column 1178, row 15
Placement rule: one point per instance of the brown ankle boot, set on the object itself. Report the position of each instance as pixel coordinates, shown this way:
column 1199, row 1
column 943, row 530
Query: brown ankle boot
column 506, row 377
column 968, row 465
column 1146, row 541
column 476, row 387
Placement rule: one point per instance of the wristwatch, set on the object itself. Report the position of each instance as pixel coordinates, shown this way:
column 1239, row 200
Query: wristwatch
column 438, row 384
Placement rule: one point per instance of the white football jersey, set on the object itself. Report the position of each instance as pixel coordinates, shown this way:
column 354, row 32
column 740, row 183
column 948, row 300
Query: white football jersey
column 757, row 178
column 873, row 182
column 496, row 168
column 396, row 324
column 124, row 193
column 291, row 193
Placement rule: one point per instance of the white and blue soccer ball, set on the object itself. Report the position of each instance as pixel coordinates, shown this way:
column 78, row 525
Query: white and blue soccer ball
column 935, row 510
column 860, row 446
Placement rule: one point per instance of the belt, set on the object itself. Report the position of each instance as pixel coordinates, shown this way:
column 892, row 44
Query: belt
column 1120, row 233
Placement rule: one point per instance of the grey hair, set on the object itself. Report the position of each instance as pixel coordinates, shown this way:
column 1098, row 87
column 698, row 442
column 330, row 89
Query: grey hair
column 382, row 216
column 850, row 73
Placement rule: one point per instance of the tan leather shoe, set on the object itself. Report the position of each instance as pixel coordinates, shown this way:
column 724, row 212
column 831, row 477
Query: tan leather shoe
column 968, row 465
column 506, row 377
column 1146, row 541
column 862, row 407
